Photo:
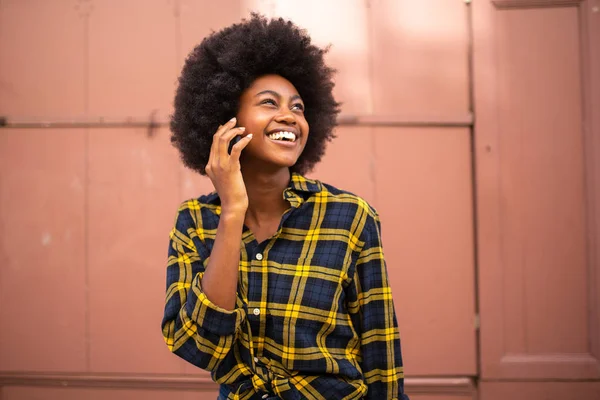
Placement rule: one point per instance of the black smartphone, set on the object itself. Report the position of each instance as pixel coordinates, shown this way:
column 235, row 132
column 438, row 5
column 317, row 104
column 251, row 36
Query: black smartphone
column 233, row 141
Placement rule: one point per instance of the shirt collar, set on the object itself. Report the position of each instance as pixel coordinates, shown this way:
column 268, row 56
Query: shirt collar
column 298, row 184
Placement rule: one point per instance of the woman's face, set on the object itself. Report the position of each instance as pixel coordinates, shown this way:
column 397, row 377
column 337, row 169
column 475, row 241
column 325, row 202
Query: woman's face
column 272, row 110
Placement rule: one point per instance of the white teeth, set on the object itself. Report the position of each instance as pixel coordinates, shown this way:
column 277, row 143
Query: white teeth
column 283, row 135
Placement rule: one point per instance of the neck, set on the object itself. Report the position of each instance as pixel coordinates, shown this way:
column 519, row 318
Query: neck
column 265, row 194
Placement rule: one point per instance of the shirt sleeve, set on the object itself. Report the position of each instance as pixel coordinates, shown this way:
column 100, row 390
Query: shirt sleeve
column 193, row 327
column 372, row 312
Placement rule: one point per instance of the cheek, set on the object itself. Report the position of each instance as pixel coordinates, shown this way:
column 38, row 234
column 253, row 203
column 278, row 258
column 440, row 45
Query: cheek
column 254, row 123
column 305, row 127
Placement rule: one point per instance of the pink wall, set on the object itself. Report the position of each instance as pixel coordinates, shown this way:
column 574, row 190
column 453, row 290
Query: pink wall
column 493, row 223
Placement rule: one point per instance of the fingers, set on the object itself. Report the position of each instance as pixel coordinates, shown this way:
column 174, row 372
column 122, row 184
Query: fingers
column 226, row 138
column 226, row 126
column 239, row 146
column 220, row 130
column 221, row 139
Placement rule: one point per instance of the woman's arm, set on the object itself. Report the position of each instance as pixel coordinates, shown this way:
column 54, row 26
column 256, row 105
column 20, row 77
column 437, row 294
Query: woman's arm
column 200, row 320
column 194, row 327
column 372, row 311
column 224, row 170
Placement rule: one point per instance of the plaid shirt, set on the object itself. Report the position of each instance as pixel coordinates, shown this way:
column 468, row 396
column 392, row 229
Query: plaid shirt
column 314, row 316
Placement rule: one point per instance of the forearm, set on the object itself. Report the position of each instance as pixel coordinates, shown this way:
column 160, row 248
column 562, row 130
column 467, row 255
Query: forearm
column 220, row 279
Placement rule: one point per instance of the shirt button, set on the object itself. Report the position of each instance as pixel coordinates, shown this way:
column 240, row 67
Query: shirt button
column 256, row 311
column 256, row 359
column 259, row 256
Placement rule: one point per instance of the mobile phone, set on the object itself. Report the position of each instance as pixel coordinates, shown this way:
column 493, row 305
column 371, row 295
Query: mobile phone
column 233, row 141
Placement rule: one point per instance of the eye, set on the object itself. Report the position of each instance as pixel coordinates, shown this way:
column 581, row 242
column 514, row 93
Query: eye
column 298, row 106
column 269, row 101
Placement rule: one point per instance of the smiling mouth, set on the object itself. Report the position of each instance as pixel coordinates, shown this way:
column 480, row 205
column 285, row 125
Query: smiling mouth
column 283, row 136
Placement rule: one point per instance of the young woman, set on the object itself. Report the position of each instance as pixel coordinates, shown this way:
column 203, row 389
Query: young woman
column 276, row 283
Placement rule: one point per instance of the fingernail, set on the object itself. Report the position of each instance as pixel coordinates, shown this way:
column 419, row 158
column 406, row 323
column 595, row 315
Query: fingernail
column 232, row 119
column 241, row 128
column 249, row 135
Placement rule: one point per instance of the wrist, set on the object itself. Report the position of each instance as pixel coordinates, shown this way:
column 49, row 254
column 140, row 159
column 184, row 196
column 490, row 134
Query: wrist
column 233, row 215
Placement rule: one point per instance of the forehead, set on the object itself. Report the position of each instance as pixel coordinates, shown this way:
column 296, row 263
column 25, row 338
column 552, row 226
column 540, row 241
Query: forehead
column 275, row 83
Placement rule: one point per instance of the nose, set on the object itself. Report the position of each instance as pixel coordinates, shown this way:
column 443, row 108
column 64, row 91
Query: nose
column 285, row 116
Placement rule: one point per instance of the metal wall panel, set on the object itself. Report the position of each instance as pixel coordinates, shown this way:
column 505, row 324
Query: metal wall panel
column 42, row 62
column 424, row 197
column 132, row 57
column 419, row 58
column 43, row 282
column 353, row 151
column 134, row 193
column 538, row 292
column 198, row 18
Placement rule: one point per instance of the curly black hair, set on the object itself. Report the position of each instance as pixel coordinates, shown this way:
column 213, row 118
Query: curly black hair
column 226, row 63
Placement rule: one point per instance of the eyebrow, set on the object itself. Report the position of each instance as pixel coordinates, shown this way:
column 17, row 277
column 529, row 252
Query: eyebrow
column 271, row 92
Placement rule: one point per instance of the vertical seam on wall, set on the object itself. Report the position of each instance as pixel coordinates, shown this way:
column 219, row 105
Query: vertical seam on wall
column 1, row 385
column 178, row 59
column 585, row 60
column 472, row 137
column 86, row 196
column 373, row 140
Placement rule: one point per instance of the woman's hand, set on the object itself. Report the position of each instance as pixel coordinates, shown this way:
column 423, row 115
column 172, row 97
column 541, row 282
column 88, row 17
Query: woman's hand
column 224, row 169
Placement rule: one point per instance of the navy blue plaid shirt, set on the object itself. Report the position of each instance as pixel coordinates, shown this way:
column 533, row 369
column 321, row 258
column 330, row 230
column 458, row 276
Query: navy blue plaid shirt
column 314, row 317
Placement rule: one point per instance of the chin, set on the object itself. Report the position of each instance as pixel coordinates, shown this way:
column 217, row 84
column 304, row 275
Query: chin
column 283, row 161
column 271, row 162
column 288, row 163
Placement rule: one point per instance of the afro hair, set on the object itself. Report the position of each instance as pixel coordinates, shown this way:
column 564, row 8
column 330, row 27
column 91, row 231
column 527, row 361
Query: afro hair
column 226, row 63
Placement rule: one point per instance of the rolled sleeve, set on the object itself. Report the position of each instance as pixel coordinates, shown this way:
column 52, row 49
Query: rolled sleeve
column 209, row 316
column 193, row 327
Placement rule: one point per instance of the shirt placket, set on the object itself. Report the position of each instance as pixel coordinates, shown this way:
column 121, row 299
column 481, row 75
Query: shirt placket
column 259, row 288
column 255, row 284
